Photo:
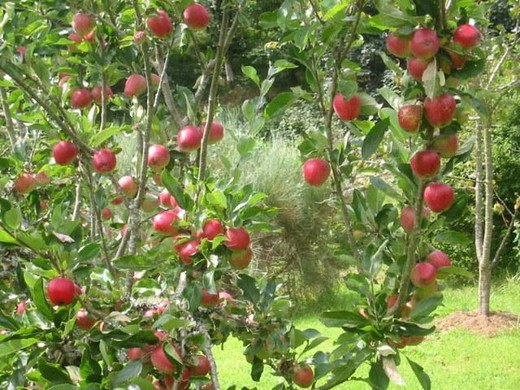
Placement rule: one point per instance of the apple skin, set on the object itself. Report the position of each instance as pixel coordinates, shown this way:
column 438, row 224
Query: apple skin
column 216, row 132
column 160, row 25
column 303, row 376
column 209, row 299
column 196, row 17
column 189, row 138
column 438, row 259
column 96, row 93
column 467, row 36
column 25, row 183
column 438, row 197
column 164, row 197
column 237, row 238
column 346, row 109
column 135, row 85
column 64, row 152
column 457, row 60
column 398, row 45
column 410, row 117
column 316, row 171
column 83, row 320
column 446, row 145
column 187, row 250
column 440, row 110
column 128, row 186
column 104, row 161
column 425, row 163
column 424, row 43
column 201, row 367
column 407, row 217
column 212, row 228
column 416, row 67
column 135, row 353
column 61, row 291
column 241, row 259
column 106, row 213
column 161, row 362
column 80, row 98
column 158, row 157
column 163, row 222
column 82, row 24
column 423, row 274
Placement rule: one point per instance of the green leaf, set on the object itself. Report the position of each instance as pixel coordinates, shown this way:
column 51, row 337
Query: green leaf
column 426, row 306
column 13, row 218
column 279, row 104
column 386, row 188
column 217, row 198
column 251, row 73
column 347, row 319
column 429, row 79
column 257, row 369
column 63, row 386
column 8, row 322
column 248, row 286
column 443, row 272
column 453, row 238
column 89, row 251
column 377, row 377
column 134, row 263
column 422, row 376
column 143, row 383
column 174, row 187
column 7, row 238
column 11, row 347
column 40, row 301
column 131, row 370
column 54, row 373
column 374, row 138
column 100, row 138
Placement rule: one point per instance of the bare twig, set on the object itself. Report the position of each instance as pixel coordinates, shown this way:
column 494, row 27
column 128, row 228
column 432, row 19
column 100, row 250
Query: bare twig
column 9, row 126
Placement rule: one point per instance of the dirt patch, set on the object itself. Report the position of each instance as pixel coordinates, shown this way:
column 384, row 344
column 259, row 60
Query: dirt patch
column 474, row 322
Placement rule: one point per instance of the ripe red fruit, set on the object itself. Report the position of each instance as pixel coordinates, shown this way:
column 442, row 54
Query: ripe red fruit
column 398, row 45
column 163, row 222
column 106, row 213
column 96, row 93
column 237, row 238
column 467, row 36
column 241, row 259
column 316, row 171
column 158, row 157
column 423, row 274
column 160, row 25
column 64, row 152
column 440, row 110
column 189, row 138
column 303, row 376
column 156, row 79
column 425, row 43
column 212, row 228
column 104, row 161
column 216, row 132
column 439, row 197
column 407, row 217
column 416, row 67
column 425, row 163
column 196, row 16
column 438, row 259
column 410, row 117
column 161, row 362
column 391, row 300
column 21, row 307
column 347, row 109
column 457, row 60
column 25, row 183
column 117, row 200
column 446, row 145
column 187, row 250
column 201, row 366
column 135, row 353
column 80, row 98
column 82, row 24
column 83, row 320
column 164, row 198
column 128, row 186
column 135, row 85
column 208, row 299
column 61, row 291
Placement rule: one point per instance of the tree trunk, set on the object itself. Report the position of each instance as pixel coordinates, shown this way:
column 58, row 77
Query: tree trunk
column 484, row 288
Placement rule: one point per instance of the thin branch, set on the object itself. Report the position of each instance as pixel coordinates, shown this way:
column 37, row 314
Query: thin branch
column 505, row 238
column 9, row 126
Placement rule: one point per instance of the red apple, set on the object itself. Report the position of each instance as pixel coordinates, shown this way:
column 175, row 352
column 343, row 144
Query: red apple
column 201, row 366
column 75, row 38
column 80, row 98
column 135, row 353
column 135, row 85
column 96, row 93
column 423, row 274
column 128, row 186
column 237, row 238
column 161, row 362
column 82, row 24
column 61, row 291
column 316, row 171
column 391, row 300
column 416, row 67
column 347, row 109
column 117, row 200
column 440, row 110
column 438, row 259
column 156, row 79
column 106, row 213
column 164, row 198
column 425, row 43
column 212, row 228
column 189, row 138
column 158, row 157
column 104, row 161
column 196, row 16
column 446, row 145
column 25, row 183
column 160, row 25
column 303, row 376
column 425, row 163
column 410, row 117
column 467, row 36
column 209, row 299
column 439, row 197
column 241, row 259
column 216, row 132
column 187, row 250
column 398, row 45
column 83, row 320
column 457, row 60
column 22, row 307
column 163, row 222
column 64, row 152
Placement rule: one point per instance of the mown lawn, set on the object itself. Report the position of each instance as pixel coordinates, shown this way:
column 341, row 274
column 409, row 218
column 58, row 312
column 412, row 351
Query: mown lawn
column 454, row 359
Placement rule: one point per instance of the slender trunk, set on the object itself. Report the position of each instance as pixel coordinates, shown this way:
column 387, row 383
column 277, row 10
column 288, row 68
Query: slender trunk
column 484, row 288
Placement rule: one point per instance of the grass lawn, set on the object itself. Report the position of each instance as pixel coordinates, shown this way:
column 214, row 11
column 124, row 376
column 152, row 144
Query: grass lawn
column 454, row 359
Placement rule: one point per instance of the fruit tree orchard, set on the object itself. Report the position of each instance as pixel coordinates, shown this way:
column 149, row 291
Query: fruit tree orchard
column 131, row 255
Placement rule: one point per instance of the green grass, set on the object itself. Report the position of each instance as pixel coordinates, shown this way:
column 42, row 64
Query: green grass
column 455, row 359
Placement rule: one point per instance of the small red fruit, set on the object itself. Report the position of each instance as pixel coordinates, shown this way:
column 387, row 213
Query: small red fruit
column 457, row 60
column 80, row 98
column 82, row 24
column 425, row 43
column 467, row 36
column 303, row 376
column 187, row 250
column 201, row 366
column 135, row 353
column 416, row 67
column 241, row 259
column 83, row 320
column 438, row 259
column 97, row 91
column 164, row 197
column 104, row 161
column 410, row 117
column 106, row 213
column 117, row 200
column 21, row 307
column 25, row 183
column 158, row 157
column 160, row 25
column 439, row 197
column 161, row 362
column 398, row 45
column 163, row 222
column 128, row 186
column 135, row 85
column 212, row 228
column 316, row 171
column 237, row 238
column 189, row 138
column 440, row 110
column 64, row 152
column 446, row 145
column 209, row 299
column 61, row 291
column 347, row 109
column 423, row 274
column 425, row 163
column 407, row 217
column 196, row 16
column 216, row 132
